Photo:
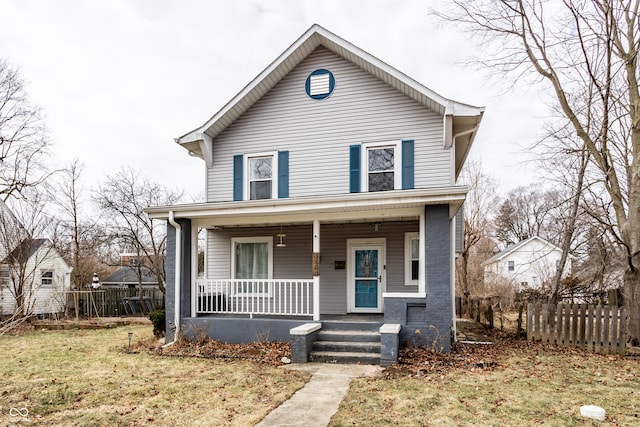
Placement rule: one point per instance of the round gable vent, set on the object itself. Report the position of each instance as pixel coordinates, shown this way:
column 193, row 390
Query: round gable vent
column 320, row 84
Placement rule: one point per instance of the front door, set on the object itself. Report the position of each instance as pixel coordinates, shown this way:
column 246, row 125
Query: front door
column 366, row 275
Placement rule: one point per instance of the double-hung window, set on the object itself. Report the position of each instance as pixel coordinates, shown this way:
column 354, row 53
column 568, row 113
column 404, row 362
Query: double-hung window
column 252, row 264
column 381, row 171
column 261, row 182
column 411, row 258
column 511, row 265
column 46, row 278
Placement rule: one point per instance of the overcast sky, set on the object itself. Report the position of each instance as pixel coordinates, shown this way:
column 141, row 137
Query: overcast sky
column 118, row 80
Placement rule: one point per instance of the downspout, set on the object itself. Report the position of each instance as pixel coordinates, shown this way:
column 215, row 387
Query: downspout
column 463, row 133
column 177, row 270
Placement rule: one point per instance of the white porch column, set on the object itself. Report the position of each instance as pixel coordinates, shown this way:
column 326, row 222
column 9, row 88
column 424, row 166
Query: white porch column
column 421, row 257
column 316, row 269
column 194, row 268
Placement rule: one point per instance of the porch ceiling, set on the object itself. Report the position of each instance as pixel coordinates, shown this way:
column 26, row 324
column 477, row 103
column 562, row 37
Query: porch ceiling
column 367, row 207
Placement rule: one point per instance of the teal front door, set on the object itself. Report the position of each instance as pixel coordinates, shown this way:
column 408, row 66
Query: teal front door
column 366, row 284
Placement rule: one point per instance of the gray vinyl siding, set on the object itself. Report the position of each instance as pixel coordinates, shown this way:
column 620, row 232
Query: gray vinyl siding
column 317, row 134
column 294, row 261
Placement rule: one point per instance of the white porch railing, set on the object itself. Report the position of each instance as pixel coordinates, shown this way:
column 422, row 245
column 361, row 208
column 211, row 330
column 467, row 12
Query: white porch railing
column 286, row 297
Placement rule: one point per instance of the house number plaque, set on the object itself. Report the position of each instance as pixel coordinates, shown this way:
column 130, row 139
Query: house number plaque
column 315, row 264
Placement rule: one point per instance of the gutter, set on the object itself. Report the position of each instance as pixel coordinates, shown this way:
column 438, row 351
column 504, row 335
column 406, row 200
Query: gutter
column 177, row 270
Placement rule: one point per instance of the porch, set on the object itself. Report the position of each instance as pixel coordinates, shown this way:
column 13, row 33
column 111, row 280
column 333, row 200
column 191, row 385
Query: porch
column 388, row 254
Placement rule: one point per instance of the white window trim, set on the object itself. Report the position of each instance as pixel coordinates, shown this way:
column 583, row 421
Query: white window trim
column 50, row 285
column 408, row 237
column 397, row 163
column 274, row 173
column 253, row 239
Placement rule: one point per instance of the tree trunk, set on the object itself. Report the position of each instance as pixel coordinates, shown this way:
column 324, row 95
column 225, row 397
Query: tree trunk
column 632, row 302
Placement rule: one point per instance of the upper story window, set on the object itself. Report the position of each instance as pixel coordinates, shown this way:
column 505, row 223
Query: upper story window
column 5, row 277
column 511, row 265
column 381, row 172
column 381, row 166
column 259, row 176
column 46, row 279
column 261, row 180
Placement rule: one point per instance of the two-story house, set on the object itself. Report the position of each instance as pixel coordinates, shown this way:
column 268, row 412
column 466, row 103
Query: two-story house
column 331, row 193
column 528, row 264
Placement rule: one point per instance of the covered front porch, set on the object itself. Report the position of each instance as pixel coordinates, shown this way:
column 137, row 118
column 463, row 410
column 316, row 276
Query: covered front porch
column 340, row 255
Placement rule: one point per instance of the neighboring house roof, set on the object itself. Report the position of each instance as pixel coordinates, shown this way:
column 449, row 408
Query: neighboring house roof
column 129, row 275
column 517, row 246
column 24, row 251
column 465, row 118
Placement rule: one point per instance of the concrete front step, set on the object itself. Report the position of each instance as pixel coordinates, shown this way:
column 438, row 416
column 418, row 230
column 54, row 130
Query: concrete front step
column 348, row 336
column 345, row 357
column 347, row 347
column 343, row 325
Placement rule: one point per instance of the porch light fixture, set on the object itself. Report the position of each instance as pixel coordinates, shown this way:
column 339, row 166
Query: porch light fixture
column 281, row 237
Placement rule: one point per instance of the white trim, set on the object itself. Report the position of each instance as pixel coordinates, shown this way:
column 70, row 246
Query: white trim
column 408, row 260
column 422, row 277
column 246, row 182
column 194, row 269
column 402, row 295
column 452, row 275
column 356, row 206
column 352, row 244
column 397, row 162
column 252, row 239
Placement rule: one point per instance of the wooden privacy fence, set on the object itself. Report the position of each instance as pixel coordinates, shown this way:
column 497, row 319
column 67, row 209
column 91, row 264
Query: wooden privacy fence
column 595, row 328
column 114, row 302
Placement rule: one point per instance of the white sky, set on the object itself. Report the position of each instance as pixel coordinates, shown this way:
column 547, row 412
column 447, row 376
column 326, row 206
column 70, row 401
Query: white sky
column 118, row 80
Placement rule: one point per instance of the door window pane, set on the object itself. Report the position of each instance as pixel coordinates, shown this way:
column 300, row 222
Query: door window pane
column 367, row 263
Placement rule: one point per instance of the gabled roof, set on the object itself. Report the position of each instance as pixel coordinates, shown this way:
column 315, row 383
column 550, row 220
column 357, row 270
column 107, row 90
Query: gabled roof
column 517, row 246
column 129, row 275
column 466, row 118
column 21, row 253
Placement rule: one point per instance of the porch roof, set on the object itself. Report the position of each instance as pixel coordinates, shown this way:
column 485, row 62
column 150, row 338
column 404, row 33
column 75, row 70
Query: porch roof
column 356, row 207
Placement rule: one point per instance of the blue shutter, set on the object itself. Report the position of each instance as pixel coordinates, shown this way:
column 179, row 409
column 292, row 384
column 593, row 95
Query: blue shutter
column 354, row 168
column 238, row 161
column 407, row 164
column 283, row 174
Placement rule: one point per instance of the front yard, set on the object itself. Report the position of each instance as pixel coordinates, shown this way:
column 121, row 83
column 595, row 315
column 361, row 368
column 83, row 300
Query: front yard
column 90, row 377
column 84, row 378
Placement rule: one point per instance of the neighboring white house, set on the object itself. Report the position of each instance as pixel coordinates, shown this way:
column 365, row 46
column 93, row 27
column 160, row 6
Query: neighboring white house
column 529, row 264
column 45, row 274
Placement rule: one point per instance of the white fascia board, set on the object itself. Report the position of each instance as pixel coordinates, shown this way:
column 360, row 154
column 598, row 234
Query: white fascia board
column 347, row 207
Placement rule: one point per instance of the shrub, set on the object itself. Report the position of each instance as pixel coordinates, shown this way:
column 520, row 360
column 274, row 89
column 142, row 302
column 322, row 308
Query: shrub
column 157, row 318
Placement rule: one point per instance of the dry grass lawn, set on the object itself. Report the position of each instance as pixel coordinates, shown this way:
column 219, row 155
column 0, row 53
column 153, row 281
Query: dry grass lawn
column 83, row 378
column 516, row 384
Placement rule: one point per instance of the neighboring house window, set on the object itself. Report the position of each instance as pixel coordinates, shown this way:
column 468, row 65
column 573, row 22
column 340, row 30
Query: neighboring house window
column 46, row 279
column 511, row 265
column 252, row 259
column 133, row 262
column 261, row 176
column 381, row 166
column 411, row 258
column 5, row 277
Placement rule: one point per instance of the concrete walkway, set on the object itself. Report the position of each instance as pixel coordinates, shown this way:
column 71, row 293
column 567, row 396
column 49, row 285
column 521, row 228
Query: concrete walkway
column 315, row 403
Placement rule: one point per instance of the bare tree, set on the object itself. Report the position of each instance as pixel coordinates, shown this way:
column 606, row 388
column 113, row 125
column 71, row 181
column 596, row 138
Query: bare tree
column 578, row 49
column 123, row 197
column 23, row 140
column 478, row 208
column 25, row 253
column 79, row 235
